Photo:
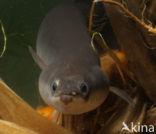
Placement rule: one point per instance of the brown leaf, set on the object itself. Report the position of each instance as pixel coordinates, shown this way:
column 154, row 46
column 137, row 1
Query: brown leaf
column 14, row 109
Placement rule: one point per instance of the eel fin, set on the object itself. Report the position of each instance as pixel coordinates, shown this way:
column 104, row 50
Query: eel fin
column 123, row 95
column 37, row 59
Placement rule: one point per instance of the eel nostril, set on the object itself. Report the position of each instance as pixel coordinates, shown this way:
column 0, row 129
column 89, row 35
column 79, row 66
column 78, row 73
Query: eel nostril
column 66, row 99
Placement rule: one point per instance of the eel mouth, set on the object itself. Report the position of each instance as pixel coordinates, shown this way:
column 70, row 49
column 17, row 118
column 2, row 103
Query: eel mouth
column 75, row 104
column 66, row 99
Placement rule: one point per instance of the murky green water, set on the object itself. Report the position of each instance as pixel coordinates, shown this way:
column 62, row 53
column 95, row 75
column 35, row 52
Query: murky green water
column 21, row 19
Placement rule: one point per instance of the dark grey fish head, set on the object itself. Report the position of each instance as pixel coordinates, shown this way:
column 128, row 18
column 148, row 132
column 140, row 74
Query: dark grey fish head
column 73, row 90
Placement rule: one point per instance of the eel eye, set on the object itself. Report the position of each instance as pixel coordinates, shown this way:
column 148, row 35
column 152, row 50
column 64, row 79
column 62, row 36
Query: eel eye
column 84, row 88
column 55, row 85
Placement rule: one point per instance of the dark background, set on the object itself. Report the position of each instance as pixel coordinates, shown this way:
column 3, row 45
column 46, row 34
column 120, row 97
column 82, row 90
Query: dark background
column 21, row 20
